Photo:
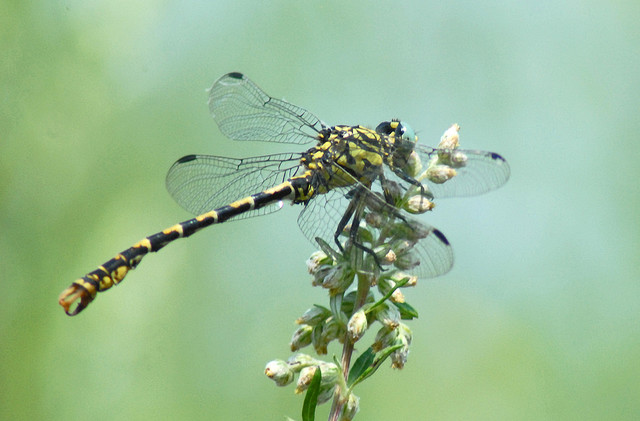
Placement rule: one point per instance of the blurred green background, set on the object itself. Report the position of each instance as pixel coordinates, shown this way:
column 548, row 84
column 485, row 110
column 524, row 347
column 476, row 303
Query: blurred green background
column 537, row 320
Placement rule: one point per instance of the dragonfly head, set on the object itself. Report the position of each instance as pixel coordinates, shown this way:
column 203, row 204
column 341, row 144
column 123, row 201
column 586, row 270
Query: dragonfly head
column 403, row 139
column 398, row 130
column 401, row 135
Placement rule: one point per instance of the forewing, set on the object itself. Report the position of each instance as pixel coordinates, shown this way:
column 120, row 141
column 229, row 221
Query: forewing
column 200, row 183
column 244, row 112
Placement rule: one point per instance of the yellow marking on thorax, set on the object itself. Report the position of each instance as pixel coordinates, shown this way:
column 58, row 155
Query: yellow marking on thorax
column 326, row 145
column 316, row 156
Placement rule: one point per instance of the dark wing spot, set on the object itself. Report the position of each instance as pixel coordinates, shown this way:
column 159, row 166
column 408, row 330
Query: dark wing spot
column 236, row 75
column 186, row 158
column 440, row 236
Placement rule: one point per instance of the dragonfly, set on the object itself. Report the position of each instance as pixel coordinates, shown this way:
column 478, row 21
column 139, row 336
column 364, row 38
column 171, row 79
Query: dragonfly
column 351, row 170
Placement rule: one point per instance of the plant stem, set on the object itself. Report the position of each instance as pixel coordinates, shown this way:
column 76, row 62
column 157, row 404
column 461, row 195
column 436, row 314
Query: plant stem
column 364, row 284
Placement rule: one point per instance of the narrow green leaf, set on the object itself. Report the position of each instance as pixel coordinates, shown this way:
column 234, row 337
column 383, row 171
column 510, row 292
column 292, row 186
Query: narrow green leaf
column 407, row 312
column 363, row 362
column 389, row 293
column 311, row 398
column 373, row 366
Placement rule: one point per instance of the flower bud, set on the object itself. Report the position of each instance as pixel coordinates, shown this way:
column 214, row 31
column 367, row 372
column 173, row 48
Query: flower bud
column 397, row 296
column 280, row 372
column 315, row 260
column 331, row 330
column 418, row 204
column 313, row 316
column 458, row 159
column 301, row 337
column 388, row 315
column 389, row 258
column 348, row 301
column 384, row 254
column 414, row 164
column 385, row 337
column 320, row 273
column 400, row 355
column 318, row 340
column 298, row 361
column 357, row 325
column 440, row 173
column 451, row 138
column 339, row 277
column 329, row 373
column 304, row 380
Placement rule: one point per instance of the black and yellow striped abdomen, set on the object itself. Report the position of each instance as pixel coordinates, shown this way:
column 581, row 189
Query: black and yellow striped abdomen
column 113, row 271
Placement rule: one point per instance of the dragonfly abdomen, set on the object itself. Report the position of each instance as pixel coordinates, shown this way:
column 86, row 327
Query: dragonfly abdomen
column 114, row 270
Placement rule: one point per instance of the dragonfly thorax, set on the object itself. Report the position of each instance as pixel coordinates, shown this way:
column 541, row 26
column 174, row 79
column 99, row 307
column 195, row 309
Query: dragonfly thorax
column 346, row 155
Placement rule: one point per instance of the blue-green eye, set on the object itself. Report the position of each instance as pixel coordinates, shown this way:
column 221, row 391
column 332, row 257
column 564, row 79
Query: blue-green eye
column 405, row 131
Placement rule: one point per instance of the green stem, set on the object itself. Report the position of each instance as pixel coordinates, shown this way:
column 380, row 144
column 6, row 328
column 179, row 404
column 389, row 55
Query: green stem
column 364, row 285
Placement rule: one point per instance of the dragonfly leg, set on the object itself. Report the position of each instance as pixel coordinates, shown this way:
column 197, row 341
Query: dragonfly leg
column 354, row 213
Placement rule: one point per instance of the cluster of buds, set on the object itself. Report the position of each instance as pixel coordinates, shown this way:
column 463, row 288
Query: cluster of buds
column 446, row 159
column 399, row 336
column 333, row 274
column 319, row 326
column 440, row 168
column 283, row 373
column 389, row 241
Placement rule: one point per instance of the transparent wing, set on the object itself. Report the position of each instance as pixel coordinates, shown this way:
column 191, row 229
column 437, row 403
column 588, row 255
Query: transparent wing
column 321, row 216
column 244, row 112
column 200, row 183
column 477, row 172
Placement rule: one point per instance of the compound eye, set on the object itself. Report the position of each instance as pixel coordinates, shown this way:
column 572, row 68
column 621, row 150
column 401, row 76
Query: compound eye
column 405, row 132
